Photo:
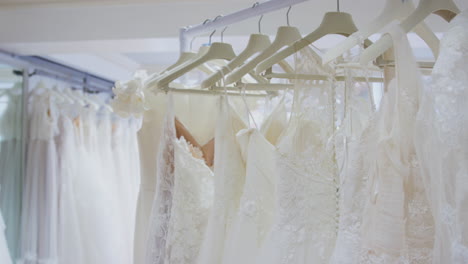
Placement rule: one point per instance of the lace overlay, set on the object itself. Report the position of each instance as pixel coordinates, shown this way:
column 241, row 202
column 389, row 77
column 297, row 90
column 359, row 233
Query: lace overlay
column 162, row 205
column 397, row 225
column 442, row 144
column 304, row 228
column 191, row 202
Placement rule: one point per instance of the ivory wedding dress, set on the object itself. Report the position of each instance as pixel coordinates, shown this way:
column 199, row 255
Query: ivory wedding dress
column 191, row 203
column 442, row 144
column 257, row 205
column 397, row 223
column 168, row 239
column 304, row 225
column 229, row 171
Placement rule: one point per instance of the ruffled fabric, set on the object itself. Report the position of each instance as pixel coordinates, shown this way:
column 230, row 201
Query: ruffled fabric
column 131, row 97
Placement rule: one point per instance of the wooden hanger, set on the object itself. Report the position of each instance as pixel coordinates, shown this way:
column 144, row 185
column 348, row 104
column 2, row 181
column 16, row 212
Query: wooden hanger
column 392, row 10
column 333, row 23
column 446, row 9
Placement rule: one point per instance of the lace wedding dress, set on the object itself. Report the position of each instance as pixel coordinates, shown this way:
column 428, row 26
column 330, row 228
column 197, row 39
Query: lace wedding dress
column 184, row 185
column 442, row 144
column 304, row 224
column 229, row 171
column 191, row 203
column 397, row 224
column 257, row 204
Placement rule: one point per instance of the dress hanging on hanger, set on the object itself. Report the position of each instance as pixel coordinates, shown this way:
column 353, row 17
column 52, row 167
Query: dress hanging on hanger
column 441, row 142
column 257, row 204
column 397, row 222
column 304, row 224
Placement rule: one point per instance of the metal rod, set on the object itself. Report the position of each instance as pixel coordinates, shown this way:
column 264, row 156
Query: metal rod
column 43, row 66
column 266, row 7
column 211, row 92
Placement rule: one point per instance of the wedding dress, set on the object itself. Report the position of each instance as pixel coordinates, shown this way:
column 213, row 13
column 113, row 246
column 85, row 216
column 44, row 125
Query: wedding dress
column 39, row 211
column 4, row 252
column 166, row 243
column 11, row 180
column 229, row 171
column 148, row 143
column 191, row 203
column 397, row 223
column 305, row 220
column 257, row 204
column 442, row 142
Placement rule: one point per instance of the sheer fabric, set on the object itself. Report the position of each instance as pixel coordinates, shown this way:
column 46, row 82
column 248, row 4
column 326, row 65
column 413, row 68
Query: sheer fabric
column 11, row 180
column 442, row 144
column 148, row 143
column 191, row 203
column 164, row 245
column 162, row 204
column 397, row 224
column 304, row 225
column 80, row 183
column 39, row 211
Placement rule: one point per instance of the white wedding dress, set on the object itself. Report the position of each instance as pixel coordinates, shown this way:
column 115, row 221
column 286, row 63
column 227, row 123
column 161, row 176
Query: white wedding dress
column 5, row 257
column 168, row 239
column 397, row 224
column 39, row 211
column 257, row 204
column 229, row 171
column 442, row 144
column 305, row 220
column 191, row 203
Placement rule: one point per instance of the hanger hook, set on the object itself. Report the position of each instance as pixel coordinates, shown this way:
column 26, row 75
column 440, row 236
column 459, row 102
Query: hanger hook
column 204, row 22
column 287, row 15
column 222, row 34
column 214, row 31
column 259, row 20
column 338, row 5
column 191, row 42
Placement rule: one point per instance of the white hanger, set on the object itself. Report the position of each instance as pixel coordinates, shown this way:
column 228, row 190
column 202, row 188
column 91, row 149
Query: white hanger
column 183, row 58
column 257, row 43
column 285, row 36
column 392, row 10
column 333, row 23
column 216, row 51
column 447, row 9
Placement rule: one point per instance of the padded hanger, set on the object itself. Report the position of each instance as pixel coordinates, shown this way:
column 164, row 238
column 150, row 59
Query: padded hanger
column 446, row 9
column 392, row 10
column 333, row 23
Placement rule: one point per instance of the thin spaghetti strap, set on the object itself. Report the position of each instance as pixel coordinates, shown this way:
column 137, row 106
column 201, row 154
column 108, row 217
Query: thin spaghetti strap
column 247, row 107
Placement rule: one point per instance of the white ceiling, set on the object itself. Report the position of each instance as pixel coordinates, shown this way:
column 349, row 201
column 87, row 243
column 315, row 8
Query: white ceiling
column 113, row 38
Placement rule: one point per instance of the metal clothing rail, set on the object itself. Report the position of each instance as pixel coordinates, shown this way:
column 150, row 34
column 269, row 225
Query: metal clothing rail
column 187, row 33
column 40, row 66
